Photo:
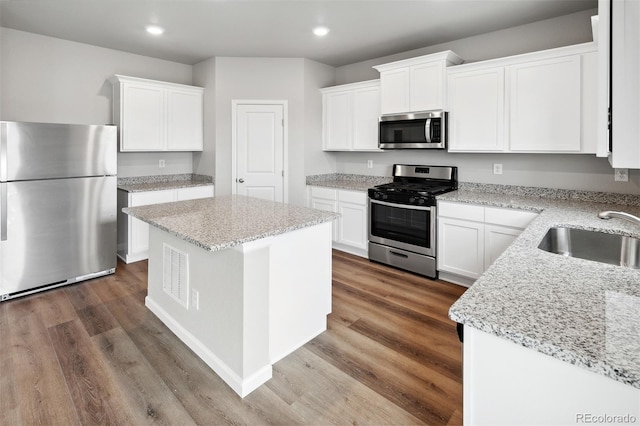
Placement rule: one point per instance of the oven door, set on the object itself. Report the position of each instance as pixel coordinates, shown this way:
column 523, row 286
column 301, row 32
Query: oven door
column 402, row 226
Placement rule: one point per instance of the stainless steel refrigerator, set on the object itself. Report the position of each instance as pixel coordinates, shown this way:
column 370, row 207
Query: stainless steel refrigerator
column 57, row 205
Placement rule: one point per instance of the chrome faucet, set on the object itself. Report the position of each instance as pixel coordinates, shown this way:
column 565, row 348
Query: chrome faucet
column 620, row 215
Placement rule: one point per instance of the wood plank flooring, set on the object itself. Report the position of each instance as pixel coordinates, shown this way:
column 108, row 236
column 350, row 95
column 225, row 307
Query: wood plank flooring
column 91, row 353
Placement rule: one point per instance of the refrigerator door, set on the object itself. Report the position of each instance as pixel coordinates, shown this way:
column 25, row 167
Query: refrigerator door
column 57, row 231
column 31, row 151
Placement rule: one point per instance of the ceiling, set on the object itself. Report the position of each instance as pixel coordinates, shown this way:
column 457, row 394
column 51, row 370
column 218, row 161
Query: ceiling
column 197, row 30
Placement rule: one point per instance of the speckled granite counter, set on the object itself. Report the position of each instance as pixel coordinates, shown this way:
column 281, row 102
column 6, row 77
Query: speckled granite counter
column 160, row 182
column 581, row 312
column 347, row 181
column 221, row 222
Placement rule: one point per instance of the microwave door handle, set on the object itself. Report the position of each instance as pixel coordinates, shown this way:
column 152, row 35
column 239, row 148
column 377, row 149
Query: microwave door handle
column 427, row 130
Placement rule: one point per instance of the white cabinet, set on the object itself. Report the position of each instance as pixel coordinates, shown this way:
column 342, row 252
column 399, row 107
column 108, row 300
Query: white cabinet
column 133, row 234
column 476, row 110
column 545, row 105
column 542, row 102
column 157, row 116
column 622, row 142
column 472, row 237
column 506, row 383
column 350, row 229
column 350, row 117
column 415, row 84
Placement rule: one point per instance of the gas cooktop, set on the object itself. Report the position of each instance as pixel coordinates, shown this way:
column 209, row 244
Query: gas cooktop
column 416, row 185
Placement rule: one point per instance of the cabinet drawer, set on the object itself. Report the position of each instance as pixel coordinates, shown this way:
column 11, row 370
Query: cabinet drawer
column 508, row 217
column 353, row 197
column 326, row 193
column 195, row 192
column 461, row 211
column 152, row 197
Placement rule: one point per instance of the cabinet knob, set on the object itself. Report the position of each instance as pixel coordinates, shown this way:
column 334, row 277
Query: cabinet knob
column 241, row 180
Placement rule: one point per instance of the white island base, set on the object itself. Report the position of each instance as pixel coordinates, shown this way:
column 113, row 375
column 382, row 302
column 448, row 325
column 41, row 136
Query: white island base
column 243, row 308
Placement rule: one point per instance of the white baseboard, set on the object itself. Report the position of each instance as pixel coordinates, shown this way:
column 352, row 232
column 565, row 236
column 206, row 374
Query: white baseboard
column 239, row 386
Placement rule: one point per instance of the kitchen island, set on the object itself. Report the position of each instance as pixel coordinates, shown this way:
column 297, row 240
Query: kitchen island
column 241, row 281
column 551, row 339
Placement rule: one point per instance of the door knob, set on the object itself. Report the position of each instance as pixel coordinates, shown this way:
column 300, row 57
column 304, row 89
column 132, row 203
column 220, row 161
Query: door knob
column 241, row 180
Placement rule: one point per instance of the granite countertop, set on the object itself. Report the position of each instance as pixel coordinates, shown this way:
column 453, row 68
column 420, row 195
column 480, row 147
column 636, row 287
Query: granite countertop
column 222, row 222
column 582, row 312
column 160, row 182
column 349, row 182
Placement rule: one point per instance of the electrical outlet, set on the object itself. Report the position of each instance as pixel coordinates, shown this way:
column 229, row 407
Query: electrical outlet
column 195, row 299
column 621, row 175
column 161, row 164
column 369, row 164
column 497, row 169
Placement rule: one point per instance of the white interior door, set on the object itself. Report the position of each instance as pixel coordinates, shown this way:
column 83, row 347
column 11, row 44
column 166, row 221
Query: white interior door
column 260, row 150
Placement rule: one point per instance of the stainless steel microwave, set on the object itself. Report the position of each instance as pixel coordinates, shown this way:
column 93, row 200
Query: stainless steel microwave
column 418, row 130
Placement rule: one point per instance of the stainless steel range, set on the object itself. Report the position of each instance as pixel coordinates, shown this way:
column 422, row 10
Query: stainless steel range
column 402, row 217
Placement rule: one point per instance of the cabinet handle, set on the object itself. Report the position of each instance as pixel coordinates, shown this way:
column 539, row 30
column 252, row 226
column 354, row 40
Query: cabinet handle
column 398, row 254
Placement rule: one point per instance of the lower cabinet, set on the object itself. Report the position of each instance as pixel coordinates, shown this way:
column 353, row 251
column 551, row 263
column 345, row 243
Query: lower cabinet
column 472, row 237
column 133, row 234
column 350, row 230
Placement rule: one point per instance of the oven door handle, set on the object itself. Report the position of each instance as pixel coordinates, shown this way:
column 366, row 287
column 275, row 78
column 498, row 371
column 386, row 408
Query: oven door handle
column 401, row 206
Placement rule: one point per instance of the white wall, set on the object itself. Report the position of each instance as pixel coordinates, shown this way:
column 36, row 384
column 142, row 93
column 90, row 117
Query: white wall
column 204, row 75
column 268, row 79
column 582, row 172
column 316, row 161
column 556, row 32
column 46, row 79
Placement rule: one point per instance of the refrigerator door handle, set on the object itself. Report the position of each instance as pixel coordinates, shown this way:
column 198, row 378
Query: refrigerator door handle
column 3, row 211
column 3, row 151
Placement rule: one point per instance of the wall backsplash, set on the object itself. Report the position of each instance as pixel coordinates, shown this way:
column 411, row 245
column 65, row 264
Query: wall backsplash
column 146, row 163
column 565, row 171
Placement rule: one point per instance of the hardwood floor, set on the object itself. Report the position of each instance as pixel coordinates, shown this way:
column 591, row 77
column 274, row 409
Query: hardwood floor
column 91, row 353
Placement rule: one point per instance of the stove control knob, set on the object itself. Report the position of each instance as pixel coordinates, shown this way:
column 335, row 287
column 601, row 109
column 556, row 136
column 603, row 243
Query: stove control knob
column 421, row 201
column 376, row 195
column 385, row 196
column 412, row 200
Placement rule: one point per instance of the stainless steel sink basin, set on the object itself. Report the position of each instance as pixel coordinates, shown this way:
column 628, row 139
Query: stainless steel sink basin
column 593, row 245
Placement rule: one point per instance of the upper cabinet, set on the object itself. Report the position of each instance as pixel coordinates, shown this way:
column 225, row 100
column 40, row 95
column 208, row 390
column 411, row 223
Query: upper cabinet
column 157, row 116
column 416, row 84
column 619, row 85
column 350, row 115
column 542, row 102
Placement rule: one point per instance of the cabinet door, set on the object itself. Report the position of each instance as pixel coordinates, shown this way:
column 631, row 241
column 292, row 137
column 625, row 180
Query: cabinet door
column 625, row 84
column 337, row 121
column 366, row 113
column 394, row 95
column 328, row 206
column 184, row 120
column 143, row 120
column 194, row 192
column 139, row 230
column 497, row 239
column 352, row 228
column 427, row 91
column 545, row 105
column 460, row 247
column 476, row 102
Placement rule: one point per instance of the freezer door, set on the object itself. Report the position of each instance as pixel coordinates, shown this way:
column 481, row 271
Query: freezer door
column 57, row 230
column 43, row 151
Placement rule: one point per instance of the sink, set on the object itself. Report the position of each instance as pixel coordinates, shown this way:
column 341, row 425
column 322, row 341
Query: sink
column 593, row 245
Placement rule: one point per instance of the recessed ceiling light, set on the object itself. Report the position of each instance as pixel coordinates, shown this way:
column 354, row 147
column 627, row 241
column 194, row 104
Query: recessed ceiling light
column 321, row 31
column 154, row 29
